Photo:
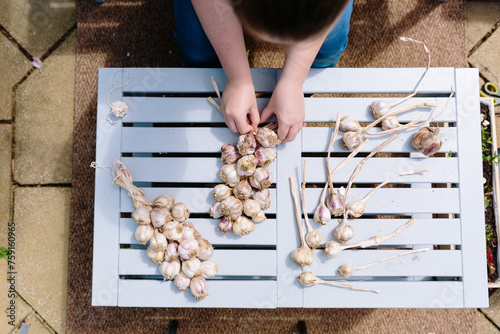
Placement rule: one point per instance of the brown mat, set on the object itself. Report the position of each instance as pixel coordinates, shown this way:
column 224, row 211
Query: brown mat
column 139, row 34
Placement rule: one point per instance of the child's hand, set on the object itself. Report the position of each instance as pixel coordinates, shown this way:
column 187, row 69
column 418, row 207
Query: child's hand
column 287, row 103
column 239, row 107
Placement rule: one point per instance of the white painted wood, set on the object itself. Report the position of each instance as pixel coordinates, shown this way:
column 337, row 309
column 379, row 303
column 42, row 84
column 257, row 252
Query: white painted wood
column 234, row 262
column 107, row 198
column 264, row 233
column 233, row 294
column 471, row 196
column 431, row 263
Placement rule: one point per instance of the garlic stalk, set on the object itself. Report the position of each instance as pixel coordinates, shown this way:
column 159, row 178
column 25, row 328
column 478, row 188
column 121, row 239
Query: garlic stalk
column 355, row 209
column 123, row 178
column 309, row 279
column 198, row 287
column 170, row 269
column 313, row 237
column 333, row 248
column 347, row 270
column 302, row 256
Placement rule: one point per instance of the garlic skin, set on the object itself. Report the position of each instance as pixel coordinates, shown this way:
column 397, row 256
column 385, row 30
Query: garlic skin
column 355, row 209
column 346, row 270
column 229, row 175
column 246, row 144
column 265, row 156
column 154, row 255
column 379, row 108
column 163, row 201
column 225, row 225
column 427, row 140
column 333, row 249
column 251, row 208
column 209, row 269
column 261, row 179
column 143, row 233
column 347, row 123
column 206, row 249
column 243, row 190
column 221, row 192
column 170, row 269
column 173, row 230
column 246, row 165
column 335, row 203
column 191, row 267
column 259, row 217
column 351, row 140
column 159, row 216
column 171, row 253
column 189, row 231
column 308, row 279
column 267, row 137
column 263, row 197
column 302, row 256
column 322, row 214
column 242, row 226
column 198, row 287
column 158, row 241
column 390, row 122
column 229, row 154
column 343, row 232
column 142, row 215
column 179, row 212
column 231, row 207
column 188, row 249
column 181, row 281
column 313, row 239
column 215, row 210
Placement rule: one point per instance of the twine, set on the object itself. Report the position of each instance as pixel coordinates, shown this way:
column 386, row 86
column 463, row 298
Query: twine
column 119, row 108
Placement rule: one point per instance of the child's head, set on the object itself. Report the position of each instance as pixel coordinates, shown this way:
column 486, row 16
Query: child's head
column 288, row 20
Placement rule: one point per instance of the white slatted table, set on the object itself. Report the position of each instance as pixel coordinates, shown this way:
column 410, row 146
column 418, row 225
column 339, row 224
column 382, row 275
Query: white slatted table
column 255, row 271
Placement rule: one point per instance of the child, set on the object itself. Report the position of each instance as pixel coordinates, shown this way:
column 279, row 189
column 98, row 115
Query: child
column 314, row 33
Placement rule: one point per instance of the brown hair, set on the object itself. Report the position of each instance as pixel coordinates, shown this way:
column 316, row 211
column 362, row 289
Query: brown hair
column 288, row 19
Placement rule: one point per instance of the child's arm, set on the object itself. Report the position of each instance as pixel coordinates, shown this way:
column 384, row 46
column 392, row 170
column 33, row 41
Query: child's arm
column 224, row 31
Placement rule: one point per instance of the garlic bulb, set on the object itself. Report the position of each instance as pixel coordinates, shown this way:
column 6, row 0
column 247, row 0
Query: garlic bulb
column 230, row 154
column 380, row 108
column 246, row 165
column 209, row 269
column 181, row 281
column 261, row 178
column 142, row 215
column 262, row 196
column 259, row 217
column 265, row 156
column 158, row 241
column 188, row 249
column 191, row 267
column 351, row 140
column 390, row 122
column 267, row 137
column 242, row 225
column 346, row 270
column 243, row 190
column 215, row 210
column 180, row 212
column 302, row 256
column 427, row 140
column 347, row 123
column 173, row 230
column 170, row 269
column 225, row 225
column 322, row 214
column 333, row 249
column 206, row 249
column 229, row 175
column 313, row 239
column 246, row 144
column 308, row 279
column 231, row 207
column 159, row 216
column 198, row 287
column 189, row 231
column 143, row 233
column 154, row 255
column 251, row 208
column 355, row 209
column 343, row 232
column 171, row 252
column 163, row 201
column 335, row 203
column 221, row 192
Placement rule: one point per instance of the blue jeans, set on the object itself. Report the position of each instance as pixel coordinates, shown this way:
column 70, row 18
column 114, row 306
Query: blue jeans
column 196, row 50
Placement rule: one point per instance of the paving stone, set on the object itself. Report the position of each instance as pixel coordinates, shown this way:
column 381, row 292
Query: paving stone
column 487, row 58
column 44, row 120
column 485, row 326
column 42, row 230
column 36, row 326
column 13, row 66
column 5, row 180
column 493, row 312
column 481, row 17
column 37, row 24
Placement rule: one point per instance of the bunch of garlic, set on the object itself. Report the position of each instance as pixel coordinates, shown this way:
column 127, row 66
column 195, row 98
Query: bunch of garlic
column 245, row 194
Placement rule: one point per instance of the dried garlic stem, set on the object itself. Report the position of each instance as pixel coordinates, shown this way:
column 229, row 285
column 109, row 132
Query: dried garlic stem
column 445, row 106
column 307, row 278
column 346, row 286
column 293, row 187
column 392, row 257
column 332, row 140
column 313, row 237
column 211, row 100
column 124, row 179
